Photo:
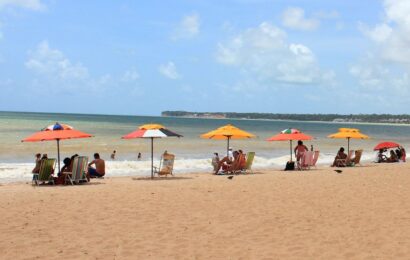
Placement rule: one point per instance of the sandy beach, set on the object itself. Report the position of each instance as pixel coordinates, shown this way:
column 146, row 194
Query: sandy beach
column 361, row 213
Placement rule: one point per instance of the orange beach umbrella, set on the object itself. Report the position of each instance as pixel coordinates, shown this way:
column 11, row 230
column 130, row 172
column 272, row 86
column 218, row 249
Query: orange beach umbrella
column 349, row 133
column 227, row 132
column 290, row 134
column 56, row 132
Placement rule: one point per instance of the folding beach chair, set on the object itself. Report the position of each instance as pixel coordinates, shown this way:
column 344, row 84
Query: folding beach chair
column 315, row 158
column 248, row 166
column 306, row 161
column 356, row 159
column 78, row 171
column 166, row 165
column 46, row 172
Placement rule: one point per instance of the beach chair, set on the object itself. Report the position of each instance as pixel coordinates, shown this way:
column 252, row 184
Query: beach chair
column 345, row 162
column 356, row 159
column 78, row 171
column 166, row 165
column 315, row 158
column 306, row 161
column 46, row 172
column 248, row 167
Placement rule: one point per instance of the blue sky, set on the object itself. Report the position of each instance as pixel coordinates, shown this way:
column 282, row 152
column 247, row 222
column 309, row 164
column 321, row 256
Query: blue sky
column 143, row 57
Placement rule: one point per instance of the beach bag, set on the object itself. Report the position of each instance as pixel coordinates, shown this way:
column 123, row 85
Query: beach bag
column 290, row 166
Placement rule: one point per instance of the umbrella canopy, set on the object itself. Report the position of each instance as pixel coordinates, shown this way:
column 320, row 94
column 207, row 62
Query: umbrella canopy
column 290, row 134
column 151, row 131
column 386, row 145
column 349, row 133
column 227, row 132
column 56, row 132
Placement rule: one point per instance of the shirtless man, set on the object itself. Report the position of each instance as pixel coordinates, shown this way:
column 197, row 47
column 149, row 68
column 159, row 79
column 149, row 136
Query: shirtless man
column 99, row 170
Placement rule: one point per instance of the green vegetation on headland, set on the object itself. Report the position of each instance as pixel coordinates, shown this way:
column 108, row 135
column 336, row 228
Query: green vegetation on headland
column 363, row 118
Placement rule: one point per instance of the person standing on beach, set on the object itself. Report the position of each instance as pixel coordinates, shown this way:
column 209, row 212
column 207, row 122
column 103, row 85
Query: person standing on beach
column 299, row 150
column 139, row 156
column 38, row 164
column 99, row 170
column 113, row 155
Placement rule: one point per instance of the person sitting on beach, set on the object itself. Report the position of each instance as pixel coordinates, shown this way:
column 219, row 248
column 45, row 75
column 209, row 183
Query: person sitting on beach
column 393, row 157
column 403, row 154
column 242, row 160
column 66, row 168
column 299, row 150
column 398, row 153
column 215, row 161
column 229, row 165
column 381, row 157
column 340, row 157
column 99, row 170
column 38, row 164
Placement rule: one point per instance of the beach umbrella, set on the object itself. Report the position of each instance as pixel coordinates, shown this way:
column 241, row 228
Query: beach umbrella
column 151, row 131
column 386, row 145
column 290, row 134
column 349, row 133
column 56, row 132
column 227, row 132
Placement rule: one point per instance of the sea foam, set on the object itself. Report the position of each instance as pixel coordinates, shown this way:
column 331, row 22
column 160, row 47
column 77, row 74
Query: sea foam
column 18, row 172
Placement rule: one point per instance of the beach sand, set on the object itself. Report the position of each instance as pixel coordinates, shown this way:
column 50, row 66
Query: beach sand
column 361, row 213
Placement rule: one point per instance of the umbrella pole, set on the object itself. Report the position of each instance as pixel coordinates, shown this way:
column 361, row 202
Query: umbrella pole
column 227, row 147
column 348, row 145
column 152, row 157
column 58, row 155
column 290, row 150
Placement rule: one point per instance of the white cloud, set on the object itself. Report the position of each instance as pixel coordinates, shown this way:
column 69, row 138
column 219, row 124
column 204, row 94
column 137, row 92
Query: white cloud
column 388, row 64
column 36, row 5
column 294, row 18
column 52, row 63
column 169, row 70
column 130, row 75
column 189, row 27
column 265, row 53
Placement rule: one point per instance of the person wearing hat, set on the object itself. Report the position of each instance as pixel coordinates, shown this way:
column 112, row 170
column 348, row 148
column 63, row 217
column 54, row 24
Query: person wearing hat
column 230, row 154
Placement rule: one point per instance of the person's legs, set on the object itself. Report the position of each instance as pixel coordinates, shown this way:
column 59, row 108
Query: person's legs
column 221, row 163
column 92, row 173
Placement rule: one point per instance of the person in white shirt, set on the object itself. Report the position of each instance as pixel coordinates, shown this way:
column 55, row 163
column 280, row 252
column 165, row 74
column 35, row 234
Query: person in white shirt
column 230, row 154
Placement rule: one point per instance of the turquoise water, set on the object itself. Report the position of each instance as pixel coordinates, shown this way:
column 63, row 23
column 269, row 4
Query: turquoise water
column 108, row 129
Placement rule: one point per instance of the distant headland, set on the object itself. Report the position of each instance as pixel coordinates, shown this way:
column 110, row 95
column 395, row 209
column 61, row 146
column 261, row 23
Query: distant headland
column 358, row 118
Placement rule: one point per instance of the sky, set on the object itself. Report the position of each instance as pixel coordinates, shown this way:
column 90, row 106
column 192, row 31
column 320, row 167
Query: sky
column 144, row 57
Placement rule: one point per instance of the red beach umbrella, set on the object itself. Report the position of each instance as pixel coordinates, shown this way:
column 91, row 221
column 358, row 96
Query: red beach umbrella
column 56, row 132
column 151, row 131
column 290, row 134
column 386, row 145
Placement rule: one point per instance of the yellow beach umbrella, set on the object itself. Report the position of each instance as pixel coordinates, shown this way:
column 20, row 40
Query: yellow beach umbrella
column 227, row 132
column 349, row 133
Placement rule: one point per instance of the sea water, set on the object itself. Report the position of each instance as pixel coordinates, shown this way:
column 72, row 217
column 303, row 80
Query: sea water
column 193, row 154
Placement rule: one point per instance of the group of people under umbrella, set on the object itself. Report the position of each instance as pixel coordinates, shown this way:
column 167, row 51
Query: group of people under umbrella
column 58, row 132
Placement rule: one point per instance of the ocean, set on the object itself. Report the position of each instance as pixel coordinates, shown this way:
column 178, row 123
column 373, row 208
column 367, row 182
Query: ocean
column 193, row 154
